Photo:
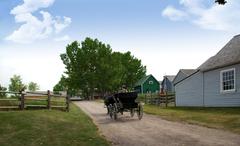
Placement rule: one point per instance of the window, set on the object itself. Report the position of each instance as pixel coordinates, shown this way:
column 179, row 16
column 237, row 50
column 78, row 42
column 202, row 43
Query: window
column 227, row 80
column 150, row 82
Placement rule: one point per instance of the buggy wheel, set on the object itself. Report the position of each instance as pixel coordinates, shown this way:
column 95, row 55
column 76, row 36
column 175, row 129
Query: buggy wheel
column 110, row 111
column 140, row 111
column 115, row 116
column 115, row 112
column 132, row 111
column 111, row 115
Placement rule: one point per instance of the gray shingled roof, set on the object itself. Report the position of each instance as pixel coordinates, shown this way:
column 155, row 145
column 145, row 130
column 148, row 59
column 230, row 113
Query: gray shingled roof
column 170, row 77
column 228, row 55
column 188, row 72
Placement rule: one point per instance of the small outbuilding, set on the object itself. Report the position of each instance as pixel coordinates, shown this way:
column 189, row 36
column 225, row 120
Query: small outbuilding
column 147, row 84
column 167, row 84
column 215, row 83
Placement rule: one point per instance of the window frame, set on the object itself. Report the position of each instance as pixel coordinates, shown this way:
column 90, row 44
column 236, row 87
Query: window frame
column 150, row 82
column 221, row 80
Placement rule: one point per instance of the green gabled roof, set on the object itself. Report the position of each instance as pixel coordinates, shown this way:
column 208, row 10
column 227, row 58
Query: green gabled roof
column 142, row 80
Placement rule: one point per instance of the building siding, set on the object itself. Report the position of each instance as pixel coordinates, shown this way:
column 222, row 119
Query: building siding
column 179, row 77
column 189, row 92
column 212, row 94
column 169, row 85
column 151, row 88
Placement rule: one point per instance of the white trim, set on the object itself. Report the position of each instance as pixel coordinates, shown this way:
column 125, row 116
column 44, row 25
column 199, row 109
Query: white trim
column 221, row 80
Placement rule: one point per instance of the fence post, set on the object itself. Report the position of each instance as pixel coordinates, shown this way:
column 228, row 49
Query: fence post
column 145, row 99
column 48, row 100
column 166, row 100
column 19, row 99
column 67, row 103
column 22, row 101
column 174, row 100
column 159, row 100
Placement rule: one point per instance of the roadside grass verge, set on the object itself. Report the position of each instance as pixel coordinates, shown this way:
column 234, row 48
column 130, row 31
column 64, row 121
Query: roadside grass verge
column 219, row 118
column 48, row 128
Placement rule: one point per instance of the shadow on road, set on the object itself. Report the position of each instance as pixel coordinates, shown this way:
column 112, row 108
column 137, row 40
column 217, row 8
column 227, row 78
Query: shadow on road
column 104, row 118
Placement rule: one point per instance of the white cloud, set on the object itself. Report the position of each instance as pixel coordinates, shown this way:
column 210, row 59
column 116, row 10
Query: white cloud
column 225, row 17
column 60, row 25
column 193, row 3
column 64, row 38
column 30, row 6
column 34, row 28
column 174, row 14
column 215, row 17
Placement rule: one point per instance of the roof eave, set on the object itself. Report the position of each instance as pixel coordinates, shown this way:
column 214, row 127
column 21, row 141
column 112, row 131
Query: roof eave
column 206, row 70
column 187, row 77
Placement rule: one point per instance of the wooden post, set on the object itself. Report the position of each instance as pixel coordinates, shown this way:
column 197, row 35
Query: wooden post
column 67, row 103
column 166, row 100
column 22, row 101
column 48, row 100
column 145, row 99
column 174, row 100
column 159, row 100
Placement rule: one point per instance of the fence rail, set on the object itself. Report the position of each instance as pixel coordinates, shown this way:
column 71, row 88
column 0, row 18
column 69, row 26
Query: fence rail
column 34, row 100
column 160, row 99
column 10, row 92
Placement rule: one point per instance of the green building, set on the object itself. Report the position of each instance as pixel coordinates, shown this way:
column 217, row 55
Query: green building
column 147, row 84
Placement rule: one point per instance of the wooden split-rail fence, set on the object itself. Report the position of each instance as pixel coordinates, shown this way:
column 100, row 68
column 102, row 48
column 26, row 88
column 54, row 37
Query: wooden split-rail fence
column 33, row 100
column 161, row 100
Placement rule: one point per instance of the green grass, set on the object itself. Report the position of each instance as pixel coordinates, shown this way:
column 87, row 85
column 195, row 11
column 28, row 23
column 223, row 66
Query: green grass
column 48, row 128
column 220, row 118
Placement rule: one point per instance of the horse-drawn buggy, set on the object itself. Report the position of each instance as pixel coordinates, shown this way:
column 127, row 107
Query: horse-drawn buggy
column 123, row 102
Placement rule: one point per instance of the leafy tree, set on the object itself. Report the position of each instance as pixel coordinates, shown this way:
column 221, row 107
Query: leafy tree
column 221, row 2
column 133, row 70
column 92, row 66
column 16, row 84
column 33, row 86
column 2, row 89
column 61, row 85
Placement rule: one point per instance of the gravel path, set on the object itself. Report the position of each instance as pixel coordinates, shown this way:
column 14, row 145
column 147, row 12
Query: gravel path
column 154, row 131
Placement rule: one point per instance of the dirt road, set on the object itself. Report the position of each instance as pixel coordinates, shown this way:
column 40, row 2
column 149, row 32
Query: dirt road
column 154, row 131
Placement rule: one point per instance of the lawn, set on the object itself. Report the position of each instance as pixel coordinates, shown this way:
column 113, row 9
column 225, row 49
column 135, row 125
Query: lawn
column 220, row 118
column 48, row 128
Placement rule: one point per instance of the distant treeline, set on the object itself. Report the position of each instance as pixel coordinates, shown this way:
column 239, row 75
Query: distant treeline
column 17, row 85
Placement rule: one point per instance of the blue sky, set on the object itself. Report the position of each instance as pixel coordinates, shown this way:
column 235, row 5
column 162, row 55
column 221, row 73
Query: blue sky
column 166, row 35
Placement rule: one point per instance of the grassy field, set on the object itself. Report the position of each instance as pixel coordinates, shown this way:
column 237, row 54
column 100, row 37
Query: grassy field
column 220, row 118
column 48, row 128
